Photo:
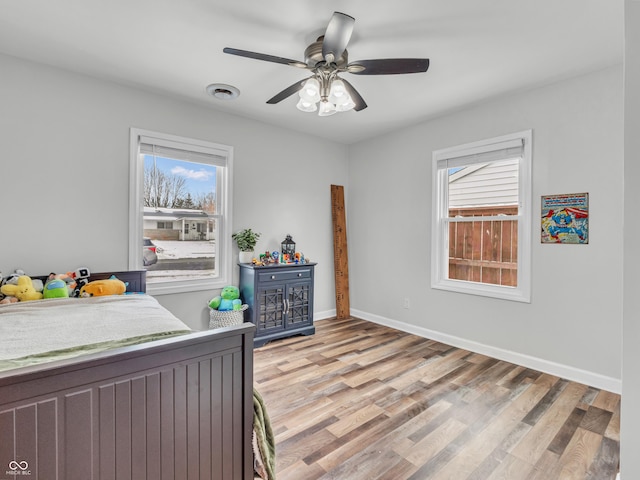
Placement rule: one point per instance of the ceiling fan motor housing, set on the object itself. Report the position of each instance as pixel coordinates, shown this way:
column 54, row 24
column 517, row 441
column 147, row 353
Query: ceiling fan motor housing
column 313, row 56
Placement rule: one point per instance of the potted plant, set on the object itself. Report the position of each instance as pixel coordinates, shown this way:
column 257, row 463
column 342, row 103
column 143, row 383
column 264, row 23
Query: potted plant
column 246, row 240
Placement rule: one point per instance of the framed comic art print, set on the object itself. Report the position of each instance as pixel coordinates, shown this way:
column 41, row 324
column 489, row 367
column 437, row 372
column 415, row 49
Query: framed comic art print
column 565, row 218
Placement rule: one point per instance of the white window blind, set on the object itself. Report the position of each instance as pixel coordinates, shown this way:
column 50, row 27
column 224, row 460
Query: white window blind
column 170, row 149
column 481, row 154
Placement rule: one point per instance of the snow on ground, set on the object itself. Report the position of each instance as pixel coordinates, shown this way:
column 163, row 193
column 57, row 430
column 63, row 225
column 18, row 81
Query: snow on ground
column 174, row 249
column 168, row 249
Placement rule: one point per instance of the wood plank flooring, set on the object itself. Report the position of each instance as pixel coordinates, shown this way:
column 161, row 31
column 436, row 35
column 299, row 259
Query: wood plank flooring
column 362, row 401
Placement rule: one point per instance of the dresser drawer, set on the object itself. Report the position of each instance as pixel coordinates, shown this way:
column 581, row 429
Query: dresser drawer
column 276, row 276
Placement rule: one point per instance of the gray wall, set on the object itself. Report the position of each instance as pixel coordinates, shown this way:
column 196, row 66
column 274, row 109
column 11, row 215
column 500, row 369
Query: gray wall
column 573, row 324
column 64, row 145
column 630, row 428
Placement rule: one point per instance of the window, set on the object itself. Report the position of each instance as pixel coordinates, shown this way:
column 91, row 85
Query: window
column 180, row 196
column 481, row 222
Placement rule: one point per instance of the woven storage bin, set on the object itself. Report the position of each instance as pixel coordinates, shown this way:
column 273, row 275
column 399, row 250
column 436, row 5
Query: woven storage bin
column 227, row 318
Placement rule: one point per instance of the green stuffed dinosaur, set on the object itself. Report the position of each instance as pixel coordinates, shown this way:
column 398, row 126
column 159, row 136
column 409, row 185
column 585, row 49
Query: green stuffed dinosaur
column 229, row 299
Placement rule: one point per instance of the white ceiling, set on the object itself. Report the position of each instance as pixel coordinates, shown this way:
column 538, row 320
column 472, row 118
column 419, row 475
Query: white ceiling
column 478, row 49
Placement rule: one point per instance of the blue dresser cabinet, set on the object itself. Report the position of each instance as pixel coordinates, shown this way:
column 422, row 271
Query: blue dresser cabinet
column 280, row 300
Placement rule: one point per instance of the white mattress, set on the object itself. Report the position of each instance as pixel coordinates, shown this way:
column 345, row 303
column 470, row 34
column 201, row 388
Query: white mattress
column 69, row 327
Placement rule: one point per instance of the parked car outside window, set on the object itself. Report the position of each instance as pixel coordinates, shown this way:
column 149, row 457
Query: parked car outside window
column 149, row 256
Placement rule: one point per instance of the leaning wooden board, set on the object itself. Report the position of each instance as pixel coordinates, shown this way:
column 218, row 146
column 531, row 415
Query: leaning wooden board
column 341, row 259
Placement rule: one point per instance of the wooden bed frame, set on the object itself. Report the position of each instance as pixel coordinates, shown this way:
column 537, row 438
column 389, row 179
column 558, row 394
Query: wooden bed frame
column 169, row 409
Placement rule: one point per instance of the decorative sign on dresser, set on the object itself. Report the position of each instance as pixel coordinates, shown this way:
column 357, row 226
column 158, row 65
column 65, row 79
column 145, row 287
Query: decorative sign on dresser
column 280, row 299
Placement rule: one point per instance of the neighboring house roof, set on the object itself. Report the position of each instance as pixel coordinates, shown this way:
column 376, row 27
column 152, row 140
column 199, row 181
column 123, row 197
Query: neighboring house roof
column 484, row 184
column 174, row 214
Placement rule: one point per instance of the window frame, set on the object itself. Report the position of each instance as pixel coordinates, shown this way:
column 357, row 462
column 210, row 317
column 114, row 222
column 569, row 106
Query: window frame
column 224, row 194
column 440, row 222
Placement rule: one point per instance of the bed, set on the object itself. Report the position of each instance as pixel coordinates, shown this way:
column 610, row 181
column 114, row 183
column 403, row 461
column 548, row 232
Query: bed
column 178, row 406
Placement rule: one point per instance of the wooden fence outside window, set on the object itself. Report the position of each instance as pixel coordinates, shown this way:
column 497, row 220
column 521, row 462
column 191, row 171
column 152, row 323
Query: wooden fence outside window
column 484, row 251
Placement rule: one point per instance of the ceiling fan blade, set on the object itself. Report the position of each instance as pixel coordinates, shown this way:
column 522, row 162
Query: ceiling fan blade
column 388, row 66
column 337, row 36
column 265, row 57
column 287, row 92
column 355, row 96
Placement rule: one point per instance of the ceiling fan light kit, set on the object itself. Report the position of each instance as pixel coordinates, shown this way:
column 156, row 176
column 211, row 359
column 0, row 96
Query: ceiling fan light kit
column 324, row 91
column 329, row 91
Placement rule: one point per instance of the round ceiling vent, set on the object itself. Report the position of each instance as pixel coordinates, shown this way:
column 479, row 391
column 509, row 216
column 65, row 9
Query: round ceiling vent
column 222, row 91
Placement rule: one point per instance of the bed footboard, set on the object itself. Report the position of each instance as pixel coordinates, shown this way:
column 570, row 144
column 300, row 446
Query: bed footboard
column 171, row 409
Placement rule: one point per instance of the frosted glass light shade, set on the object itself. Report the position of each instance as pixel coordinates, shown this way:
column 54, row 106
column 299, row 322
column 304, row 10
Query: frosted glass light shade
column 345, row 107
column 326, row 109
column 338, row 94
column 306, row 106
column 310, row 92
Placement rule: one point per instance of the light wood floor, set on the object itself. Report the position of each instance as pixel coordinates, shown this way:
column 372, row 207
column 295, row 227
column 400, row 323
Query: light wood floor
column 361, row 401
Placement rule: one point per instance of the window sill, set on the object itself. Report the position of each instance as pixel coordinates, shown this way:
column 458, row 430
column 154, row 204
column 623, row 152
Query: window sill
column 184, row 286
column 484, row 290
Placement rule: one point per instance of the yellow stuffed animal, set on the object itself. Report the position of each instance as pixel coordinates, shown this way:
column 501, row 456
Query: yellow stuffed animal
column 99, row 288
column 23, row 291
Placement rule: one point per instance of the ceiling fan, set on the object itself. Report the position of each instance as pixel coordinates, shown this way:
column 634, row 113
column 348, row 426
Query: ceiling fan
column 327, row 57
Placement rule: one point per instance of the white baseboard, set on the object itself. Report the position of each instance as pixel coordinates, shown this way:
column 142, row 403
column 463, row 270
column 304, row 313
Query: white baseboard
column 324, row 315
column 564, row 371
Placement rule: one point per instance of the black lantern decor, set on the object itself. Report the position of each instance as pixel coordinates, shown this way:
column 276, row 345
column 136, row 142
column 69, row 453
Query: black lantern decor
column 288, row 247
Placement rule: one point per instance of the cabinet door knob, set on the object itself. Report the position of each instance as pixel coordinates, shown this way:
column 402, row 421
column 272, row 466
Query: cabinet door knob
column 273, row 277
column 299, row 274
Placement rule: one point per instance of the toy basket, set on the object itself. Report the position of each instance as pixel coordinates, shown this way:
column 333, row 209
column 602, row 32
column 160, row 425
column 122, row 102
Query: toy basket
column 227, row 318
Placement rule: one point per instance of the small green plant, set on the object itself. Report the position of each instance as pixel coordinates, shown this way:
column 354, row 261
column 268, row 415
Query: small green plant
column 246, row 239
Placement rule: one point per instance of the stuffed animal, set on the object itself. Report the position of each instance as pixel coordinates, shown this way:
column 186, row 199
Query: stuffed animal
column 66, row 278
column 229, row 299
column 12, row 279
column 100, row 288
column 81, row 277
column 23, row 291
column 56, row 288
